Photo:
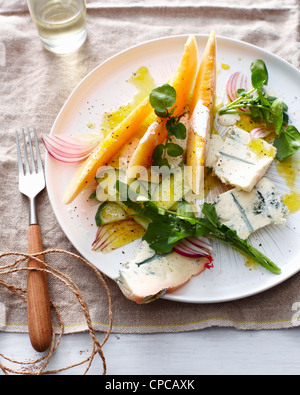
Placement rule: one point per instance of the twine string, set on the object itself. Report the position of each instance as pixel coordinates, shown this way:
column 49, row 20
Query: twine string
column 32, row 367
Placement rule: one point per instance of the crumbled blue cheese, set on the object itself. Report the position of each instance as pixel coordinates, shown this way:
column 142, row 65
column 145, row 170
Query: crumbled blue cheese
column 246, row 212
column 243, row 161
column 228, row 119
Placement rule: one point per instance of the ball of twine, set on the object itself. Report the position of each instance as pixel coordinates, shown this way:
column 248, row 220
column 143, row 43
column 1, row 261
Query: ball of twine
column 38, row 367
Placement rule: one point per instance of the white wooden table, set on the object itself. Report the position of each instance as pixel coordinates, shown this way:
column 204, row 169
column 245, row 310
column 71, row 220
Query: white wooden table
column 212, row 351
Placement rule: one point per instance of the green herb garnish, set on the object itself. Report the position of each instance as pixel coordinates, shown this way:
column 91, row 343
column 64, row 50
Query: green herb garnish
column 271, row 109
column 287, row 143
column 168, row 228
column 163, row 99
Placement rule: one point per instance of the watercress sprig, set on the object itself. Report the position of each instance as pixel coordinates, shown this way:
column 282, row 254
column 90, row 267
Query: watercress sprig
column 163, row 99
column 257, row 103
column 167, row 228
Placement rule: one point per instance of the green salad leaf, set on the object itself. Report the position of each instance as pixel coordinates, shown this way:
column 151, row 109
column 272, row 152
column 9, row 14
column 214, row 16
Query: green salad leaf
column 287, row 143
column 167, row 228
column 257, row 103
column 163, row 100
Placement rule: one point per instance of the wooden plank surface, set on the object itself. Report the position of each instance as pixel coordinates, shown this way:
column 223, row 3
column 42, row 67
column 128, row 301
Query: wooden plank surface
column 208, row 352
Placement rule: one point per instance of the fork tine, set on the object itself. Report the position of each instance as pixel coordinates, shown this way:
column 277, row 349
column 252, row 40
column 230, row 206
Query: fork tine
column 21, row 169
column 25, row 153
column 38, row 154
column 31, row 152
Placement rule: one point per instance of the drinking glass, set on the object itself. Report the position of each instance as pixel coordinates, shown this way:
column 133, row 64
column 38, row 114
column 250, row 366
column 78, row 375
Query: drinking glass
column 61, row 24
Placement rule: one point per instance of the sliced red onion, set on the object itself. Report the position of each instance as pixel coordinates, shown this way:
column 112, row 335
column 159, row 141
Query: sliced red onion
column 209, row 265
column 195, row 247
column 67, row 149
column 187, row 245
column 97, row 242
column 237, row 81
column 201, row 242
column 260, row 133
column 103, row 238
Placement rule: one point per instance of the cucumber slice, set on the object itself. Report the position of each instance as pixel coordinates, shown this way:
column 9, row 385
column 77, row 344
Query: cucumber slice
column 143, row 221
column 109, row 212
column 139, row 189
column 170, row 190
column 184, row 208
column 106, row 190
column 150, row 186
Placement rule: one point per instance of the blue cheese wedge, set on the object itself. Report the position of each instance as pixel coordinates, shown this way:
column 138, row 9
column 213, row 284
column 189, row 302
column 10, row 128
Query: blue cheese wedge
column 149, row 276
column 243, row 161
column 215, row 144
column 246, row 212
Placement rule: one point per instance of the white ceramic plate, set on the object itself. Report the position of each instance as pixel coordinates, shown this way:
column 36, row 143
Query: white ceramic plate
column 104, row 89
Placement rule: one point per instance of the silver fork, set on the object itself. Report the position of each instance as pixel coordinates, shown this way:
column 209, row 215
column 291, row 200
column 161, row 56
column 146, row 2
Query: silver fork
column 31, row 183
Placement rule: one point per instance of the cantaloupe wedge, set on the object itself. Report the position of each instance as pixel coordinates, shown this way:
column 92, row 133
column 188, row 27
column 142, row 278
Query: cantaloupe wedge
column 183, row 81
column 142, row 156
column 202, row 112
column 102, row 154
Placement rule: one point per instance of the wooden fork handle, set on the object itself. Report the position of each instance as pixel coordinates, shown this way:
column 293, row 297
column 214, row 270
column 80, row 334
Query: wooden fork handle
column 38, row 303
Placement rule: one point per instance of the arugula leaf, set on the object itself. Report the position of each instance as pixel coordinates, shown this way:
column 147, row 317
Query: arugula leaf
column 287, row 143
column 168, row 228
column 184, row 209
column 158, row 237
column 230, row 237
column 165, row 230
column 211, row 227
column 211, row 214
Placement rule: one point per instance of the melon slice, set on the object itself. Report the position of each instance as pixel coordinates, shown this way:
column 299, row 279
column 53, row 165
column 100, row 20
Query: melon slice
column 202, row 113
column 102, row 154
column 183, row 81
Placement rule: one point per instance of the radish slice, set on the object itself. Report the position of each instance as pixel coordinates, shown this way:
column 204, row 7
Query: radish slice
column 67, row 149
column 195, row 247
column 201, row 242
column 237, row 81
column 260, row 133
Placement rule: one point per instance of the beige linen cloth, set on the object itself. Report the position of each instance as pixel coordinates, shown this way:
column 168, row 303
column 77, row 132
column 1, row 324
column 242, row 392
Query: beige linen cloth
column 34, row 85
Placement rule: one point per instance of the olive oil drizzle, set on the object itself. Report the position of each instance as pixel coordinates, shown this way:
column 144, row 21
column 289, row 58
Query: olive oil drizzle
column 144, row 83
